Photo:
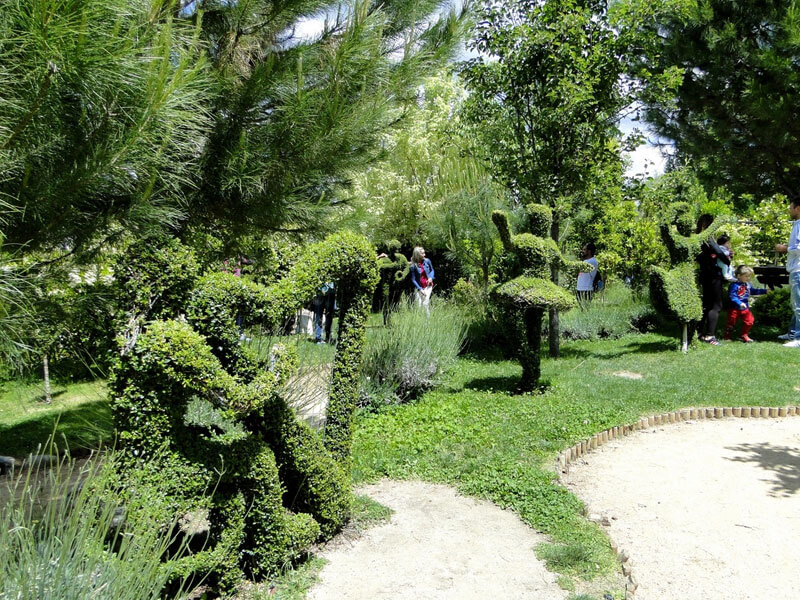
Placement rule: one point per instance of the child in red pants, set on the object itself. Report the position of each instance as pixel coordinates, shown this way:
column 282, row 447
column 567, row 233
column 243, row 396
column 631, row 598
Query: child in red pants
column 739, row 293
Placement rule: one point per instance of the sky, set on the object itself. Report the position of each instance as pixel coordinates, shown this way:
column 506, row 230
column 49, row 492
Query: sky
column 647, row 159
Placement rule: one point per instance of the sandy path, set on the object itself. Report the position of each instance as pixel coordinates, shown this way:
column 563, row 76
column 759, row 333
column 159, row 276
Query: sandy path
column 438, row 545
column 706, row 510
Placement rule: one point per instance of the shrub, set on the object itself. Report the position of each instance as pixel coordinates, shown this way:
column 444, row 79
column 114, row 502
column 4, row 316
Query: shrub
column 612, row 314
column 774, row 309
column 526, row 292
column 410, row 355
column 481, row 316
column 220, row 417
column 674, row 293
column 154, row 276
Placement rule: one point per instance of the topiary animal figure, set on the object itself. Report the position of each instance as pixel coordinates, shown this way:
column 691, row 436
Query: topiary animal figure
column 197, row 411
column 673, row 291
column 393, row 268
column 528, row 291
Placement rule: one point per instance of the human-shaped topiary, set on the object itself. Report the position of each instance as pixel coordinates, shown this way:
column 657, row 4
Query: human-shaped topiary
column 196, row 411
column 528, row 292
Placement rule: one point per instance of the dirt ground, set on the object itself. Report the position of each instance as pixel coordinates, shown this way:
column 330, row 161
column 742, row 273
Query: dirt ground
column 438, row 545
column 706, row 510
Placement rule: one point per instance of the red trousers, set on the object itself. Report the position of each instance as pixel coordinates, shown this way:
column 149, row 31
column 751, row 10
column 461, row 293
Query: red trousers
column 734, row 315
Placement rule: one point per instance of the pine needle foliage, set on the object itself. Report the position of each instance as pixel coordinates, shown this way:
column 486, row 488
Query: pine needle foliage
column 102, row 118
column 296, row 116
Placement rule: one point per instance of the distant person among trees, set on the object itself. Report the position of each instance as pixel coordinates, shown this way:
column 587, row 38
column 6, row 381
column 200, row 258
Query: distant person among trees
column 739, row 293
column 422, row 277
column 711, row 281
column 586, row 281
column 793, row 268
column 324, row 305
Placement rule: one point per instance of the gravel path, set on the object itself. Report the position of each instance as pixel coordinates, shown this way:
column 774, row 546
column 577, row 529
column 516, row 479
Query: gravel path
column 438, row 546
column 706, row 510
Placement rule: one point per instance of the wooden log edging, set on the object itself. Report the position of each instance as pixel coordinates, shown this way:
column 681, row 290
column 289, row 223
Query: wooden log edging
column 577, row 450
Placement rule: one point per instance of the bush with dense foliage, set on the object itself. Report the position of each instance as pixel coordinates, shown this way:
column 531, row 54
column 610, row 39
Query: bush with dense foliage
column 222, row 419
column 775, row 308
column 673, row 291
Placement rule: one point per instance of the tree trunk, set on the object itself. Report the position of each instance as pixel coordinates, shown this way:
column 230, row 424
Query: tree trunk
column 48, row 398
column 553, row 328
column 685, row 340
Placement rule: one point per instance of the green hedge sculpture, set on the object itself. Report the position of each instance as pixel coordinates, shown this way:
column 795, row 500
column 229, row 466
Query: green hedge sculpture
column 528, row 292
column 674, row 291
column 196, row 410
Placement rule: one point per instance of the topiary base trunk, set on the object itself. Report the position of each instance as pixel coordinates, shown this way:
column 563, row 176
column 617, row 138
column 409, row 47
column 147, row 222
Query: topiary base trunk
column 530, row 348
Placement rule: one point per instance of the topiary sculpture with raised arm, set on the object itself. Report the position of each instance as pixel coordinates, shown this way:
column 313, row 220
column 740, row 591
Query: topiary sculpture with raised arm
column 528, row 292
column 197, row 411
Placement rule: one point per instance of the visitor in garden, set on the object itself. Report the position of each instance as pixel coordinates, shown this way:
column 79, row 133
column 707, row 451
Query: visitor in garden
column 711, row 281
column 739, row 294
column 422, row 277
column 728, row 273
column 793, row 268
column 586, row 281
column 324, row 305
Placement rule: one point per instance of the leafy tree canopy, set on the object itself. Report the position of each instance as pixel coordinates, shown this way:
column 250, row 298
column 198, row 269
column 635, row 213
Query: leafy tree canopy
column 720, row 78
column 545, row 94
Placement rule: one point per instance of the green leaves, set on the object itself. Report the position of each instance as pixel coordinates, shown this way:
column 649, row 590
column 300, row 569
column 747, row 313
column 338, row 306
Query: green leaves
column 553, row 91
column 103, row 114
column 717, row 77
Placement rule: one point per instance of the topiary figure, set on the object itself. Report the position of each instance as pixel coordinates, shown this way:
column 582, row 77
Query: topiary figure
column 528, row 291
column 673, row 291
column 196, row 410
column 393, row 268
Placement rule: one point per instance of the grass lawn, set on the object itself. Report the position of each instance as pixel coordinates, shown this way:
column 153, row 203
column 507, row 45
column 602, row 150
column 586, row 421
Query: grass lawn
column 79, row 413
column 474, row 434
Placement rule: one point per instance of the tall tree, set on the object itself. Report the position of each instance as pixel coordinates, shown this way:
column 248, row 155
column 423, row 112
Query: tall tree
column 546, row 91
column 720, row 78
column 296, row 117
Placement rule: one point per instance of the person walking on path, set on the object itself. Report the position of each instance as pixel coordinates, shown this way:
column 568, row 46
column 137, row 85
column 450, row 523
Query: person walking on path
column 711, row 281
column 792, row 248
column 739, row 294
column 586, row 281
column 422, row 278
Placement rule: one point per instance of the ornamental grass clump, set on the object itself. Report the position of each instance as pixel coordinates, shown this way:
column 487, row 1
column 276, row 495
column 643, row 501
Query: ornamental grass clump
column 67, row 533
column 411, row 354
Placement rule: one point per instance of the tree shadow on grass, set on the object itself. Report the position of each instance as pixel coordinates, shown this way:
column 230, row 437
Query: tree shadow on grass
column 42, row 397
column 783, row 461
column 632, row 347
column 83, row 427
column 508, row 384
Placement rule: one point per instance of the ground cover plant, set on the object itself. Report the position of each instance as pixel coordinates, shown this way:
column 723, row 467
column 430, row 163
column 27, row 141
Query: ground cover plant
column 474, row 433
